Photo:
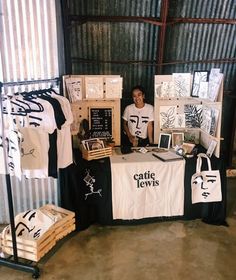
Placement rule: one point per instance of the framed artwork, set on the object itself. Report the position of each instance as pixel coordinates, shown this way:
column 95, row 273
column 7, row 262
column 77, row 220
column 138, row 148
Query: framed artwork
column 164, row 141
column 177, row 138
column 199, row 83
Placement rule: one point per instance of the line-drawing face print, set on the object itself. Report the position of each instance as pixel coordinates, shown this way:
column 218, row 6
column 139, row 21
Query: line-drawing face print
column 138, row 122
column 203, row 182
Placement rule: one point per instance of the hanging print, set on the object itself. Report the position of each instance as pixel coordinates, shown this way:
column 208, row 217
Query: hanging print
column 193, row 115
column 167, row 116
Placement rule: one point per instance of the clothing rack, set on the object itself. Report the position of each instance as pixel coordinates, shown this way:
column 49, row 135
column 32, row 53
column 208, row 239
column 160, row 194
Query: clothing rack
column 15, row 263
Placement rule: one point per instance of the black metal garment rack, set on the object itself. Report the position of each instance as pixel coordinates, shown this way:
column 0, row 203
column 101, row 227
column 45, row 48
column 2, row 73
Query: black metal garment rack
column 9, row 262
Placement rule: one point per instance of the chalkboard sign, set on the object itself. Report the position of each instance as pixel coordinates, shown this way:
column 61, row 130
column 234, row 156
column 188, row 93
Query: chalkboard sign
column 100, row 122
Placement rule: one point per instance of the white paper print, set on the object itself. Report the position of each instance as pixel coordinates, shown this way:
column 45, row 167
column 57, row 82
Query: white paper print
column 167, row 116
column 180, row 121
column 167, row 89
column 214, row 120
column 113, row 87
column 94, row 87
column 182, row 84
column 210, row 119
column 193, row 115
column 198, row 78
column 215, row 80
column 157, row 90
column 74, row 89
column 211, row 147
column 203, row 90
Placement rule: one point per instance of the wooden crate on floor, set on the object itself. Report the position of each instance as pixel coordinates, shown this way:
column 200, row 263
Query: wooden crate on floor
column 34, row 250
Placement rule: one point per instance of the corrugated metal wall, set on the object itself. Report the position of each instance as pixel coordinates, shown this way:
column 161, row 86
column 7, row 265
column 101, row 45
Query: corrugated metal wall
column 28, row 51
column 142, row 8
column 202, row 42
column 94, row 44
column 125, row 48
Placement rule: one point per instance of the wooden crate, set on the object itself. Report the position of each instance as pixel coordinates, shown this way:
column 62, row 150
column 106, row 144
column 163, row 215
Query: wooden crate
column 34, row 250
column 96, row 154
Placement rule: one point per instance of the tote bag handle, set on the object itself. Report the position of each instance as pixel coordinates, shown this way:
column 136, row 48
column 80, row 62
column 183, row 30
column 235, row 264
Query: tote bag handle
column 199, row 162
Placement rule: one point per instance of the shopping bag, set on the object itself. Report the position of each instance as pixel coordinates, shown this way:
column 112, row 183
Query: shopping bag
column 205, row 185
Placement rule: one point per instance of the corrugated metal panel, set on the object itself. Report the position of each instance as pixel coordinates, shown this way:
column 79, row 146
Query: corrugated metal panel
column 195, row 42
column 29, row 40
column 143, row 8
column 116, row 42
column 203, row 9
column 28, row 50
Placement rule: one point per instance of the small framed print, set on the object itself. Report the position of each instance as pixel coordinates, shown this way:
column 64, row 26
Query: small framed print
column 211, row 148
column 164, row 141
column 93, row 144
column 177, row 139
column 199, row 77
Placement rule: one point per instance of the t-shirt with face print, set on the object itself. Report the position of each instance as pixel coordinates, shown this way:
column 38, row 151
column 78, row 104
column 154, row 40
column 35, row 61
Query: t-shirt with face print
column 138, row 119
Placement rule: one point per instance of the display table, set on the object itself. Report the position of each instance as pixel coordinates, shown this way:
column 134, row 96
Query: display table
column 96, row 195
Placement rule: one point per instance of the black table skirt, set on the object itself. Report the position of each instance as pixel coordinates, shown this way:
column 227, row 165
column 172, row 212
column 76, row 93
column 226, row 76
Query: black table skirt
column 97, row 208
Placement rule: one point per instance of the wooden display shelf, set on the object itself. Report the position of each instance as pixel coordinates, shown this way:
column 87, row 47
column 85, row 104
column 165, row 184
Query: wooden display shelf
column 34, row 250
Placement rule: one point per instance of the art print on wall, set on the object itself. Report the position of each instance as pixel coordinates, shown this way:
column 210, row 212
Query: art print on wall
column 167, row 116
column 199, row 77
column 193, row 115
column 182, row 84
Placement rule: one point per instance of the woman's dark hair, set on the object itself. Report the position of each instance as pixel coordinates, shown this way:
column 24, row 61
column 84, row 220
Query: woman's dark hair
column 139, row 88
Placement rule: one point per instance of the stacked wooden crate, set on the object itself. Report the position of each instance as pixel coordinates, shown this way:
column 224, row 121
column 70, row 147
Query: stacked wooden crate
column 34, row 250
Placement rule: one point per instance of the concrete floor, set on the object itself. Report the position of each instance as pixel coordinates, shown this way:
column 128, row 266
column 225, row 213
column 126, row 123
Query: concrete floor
column 165, row 250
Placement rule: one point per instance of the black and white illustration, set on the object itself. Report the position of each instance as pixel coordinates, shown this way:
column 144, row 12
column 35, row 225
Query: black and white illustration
column 205, row 185
column 31, row 225
column 215, row 79
column 199, row 77
column 90, row 181
column 167, row 116
column 165, row 89
column 193, row 115
column 180, row 121
column 210, row 119
column 74, row 89
column 182, row 84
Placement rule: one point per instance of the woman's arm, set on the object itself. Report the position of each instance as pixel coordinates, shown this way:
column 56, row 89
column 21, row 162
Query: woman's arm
column 126, row 129
column 150, row 132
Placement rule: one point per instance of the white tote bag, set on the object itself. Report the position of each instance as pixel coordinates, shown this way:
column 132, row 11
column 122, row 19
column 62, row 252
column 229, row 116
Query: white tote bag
column 206, row 185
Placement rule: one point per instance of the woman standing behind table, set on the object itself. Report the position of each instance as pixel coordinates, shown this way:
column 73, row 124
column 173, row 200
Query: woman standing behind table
column 138, row 120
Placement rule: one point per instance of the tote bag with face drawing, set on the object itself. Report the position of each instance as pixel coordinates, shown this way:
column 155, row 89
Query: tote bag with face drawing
column 206, row 185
